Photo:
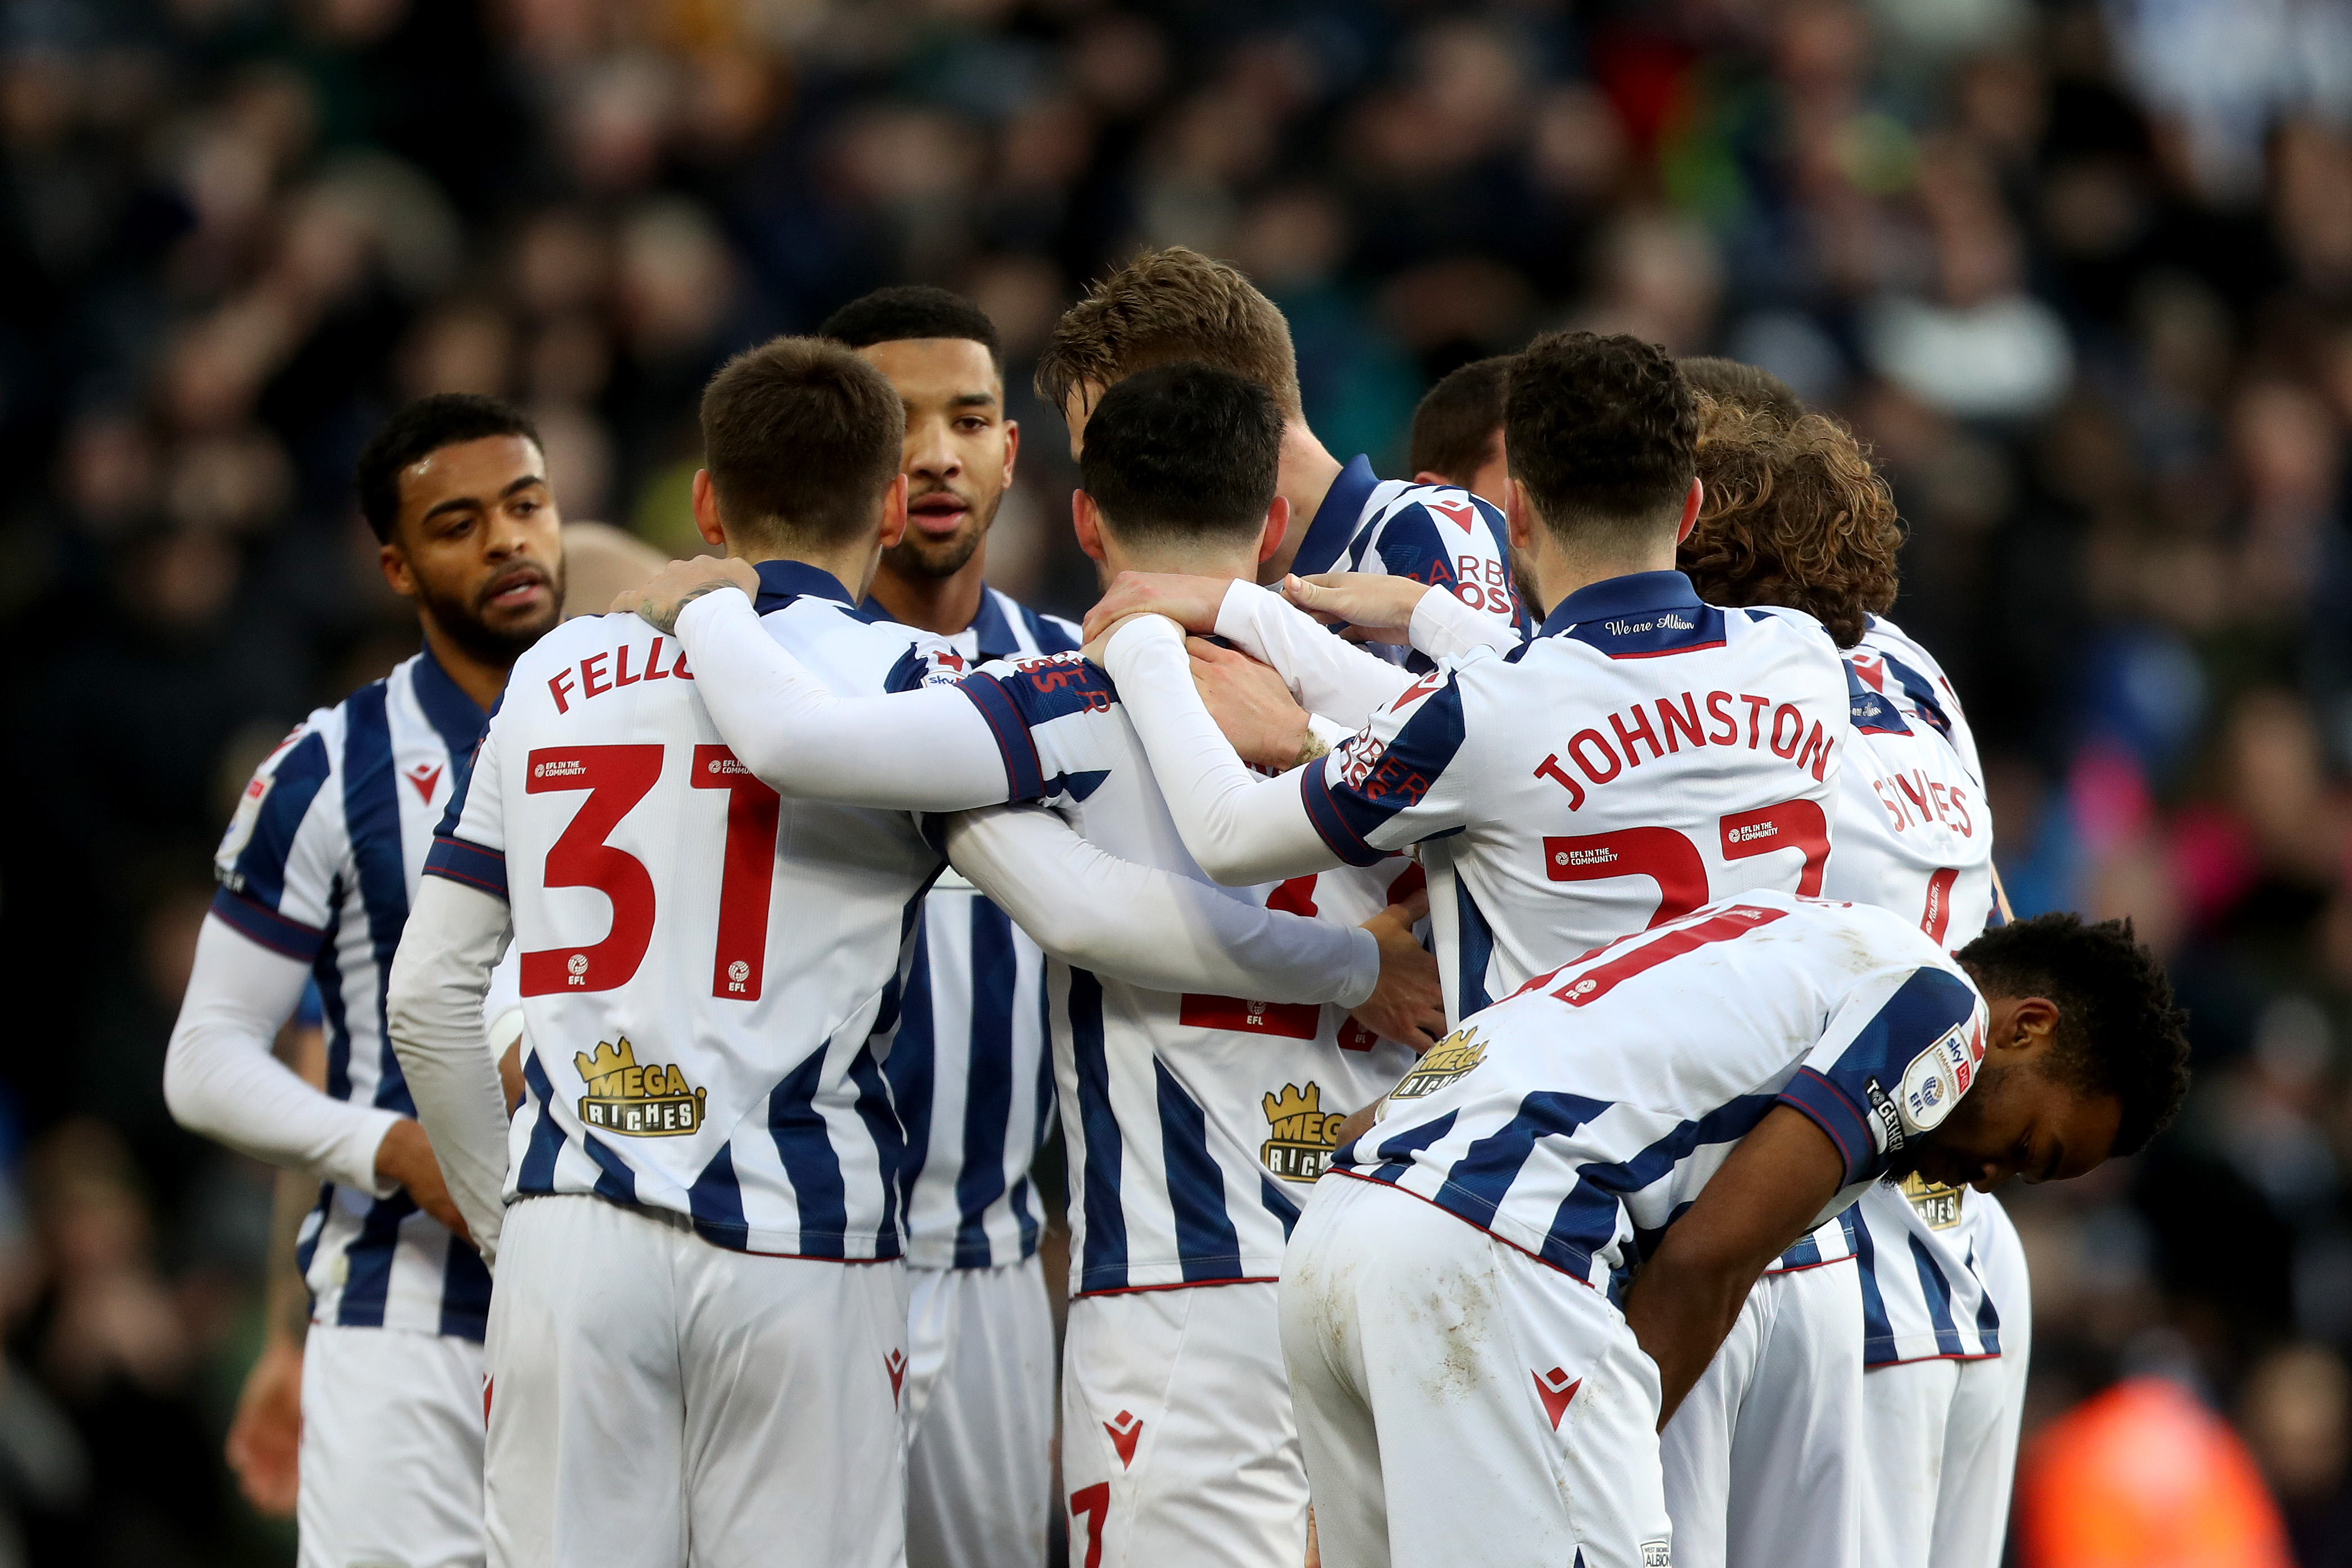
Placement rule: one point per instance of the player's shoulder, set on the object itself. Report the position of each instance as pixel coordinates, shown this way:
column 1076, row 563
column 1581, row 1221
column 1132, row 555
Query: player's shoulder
column 1048, row 686
column 1011, row 624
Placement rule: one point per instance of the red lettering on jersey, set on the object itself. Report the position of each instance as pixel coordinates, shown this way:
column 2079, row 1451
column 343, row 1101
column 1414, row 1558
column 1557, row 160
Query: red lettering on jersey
column 1641, row 731
column 1719, row 708
column 1817, row 748
column 1941, row 797
column 1960, row 803
column 1576, row 749
column 653, row 671
column 589, row 675
column 556, row 683
column 1684, row 718
column 1938, row 912
column 620, row 676
column 1893, row 808
column 1278, row 1020
column 1919, row 797
column 1460, row 513
column 1756, row 707
column 1093, row 1505
column 680, row 669
column 1787, row 711
column 1550, row 768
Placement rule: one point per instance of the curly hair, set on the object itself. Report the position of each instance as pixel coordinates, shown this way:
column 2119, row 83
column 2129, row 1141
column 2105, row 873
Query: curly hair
column 1601, row 432
column 1794, row 515
column 2118, row 1031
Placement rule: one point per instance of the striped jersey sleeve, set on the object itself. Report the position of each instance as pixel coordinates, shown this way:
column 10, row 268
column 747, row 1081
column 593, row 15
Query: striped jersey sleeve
column 277, row 863
column 1396, row 781
column 470, row 847
column 1895, row 1059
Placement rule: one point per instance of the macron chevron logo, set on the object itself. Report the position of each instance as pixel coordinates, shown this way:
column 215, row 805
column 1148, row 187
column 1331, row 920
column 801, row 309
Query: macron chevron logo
column 1124, row 1431
column 1460, row 513
column 427, row 777
column 1554, row 1390
column 897, row 1364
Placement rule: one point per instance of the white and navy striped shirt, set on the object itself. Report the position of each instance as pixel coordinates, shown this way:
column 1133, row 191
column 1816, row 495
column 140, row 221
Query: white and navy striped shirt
column 970, row 1069
column 1195, row 1123
column 1577, row 1118
column 710, row 974
column 1916, row 838
column 1438, row 534
column 319, row 864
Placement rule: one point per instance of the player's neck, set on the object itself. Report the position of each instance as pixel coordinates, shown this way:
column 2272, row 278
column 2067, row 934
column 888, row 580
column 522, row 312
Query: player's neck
column 1562, row 572
column 1306, row 476
column 942, row 604
column 480, row 681
column 1228, row 565
column 853, row 566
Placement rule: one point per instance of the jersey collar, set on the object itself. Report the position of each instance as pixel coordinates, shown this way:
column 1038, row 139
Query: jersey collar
column 454, row 716
column 1627, row 595
column 1334, row 527
column 991, row 629
column 782, row 581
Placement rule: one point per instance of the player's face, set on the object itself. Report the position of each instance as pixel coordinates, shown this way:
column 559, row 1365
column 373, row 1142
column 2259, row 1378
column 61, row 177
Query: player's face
column 2016, row 1121
column 479, row 546
column 959, row 454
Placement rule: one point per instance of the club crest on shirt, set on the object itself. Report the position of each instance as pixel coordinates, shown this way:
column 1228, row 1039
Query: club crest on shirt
column 1657, row 1555
column 1938, row 1206
column 1937, row 1079
column 1447, row 1062
column 648, row 1102
column 1301, row 1134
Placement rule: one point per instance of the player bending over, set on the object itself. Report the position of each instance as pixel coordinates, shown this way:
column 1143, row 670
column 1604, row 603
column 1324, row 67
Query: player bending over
column 1537, row 1246
column 1197, row 1121
column 318, row 870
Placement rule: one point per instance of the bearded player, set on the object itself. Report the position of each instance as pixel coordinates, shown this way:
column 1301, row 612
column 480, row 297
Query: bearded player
column 969, row 1069
column 317, row 870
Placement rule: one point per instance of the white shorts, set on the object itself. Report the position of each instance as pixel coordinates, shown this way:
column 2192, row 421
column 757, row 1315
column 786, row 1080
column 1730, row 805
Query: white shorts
column 648, row 1389
column 1461, row 1404
column 1762, row 1456
column 391, row 1460
column 1178, row 1445
column 980, row 1405
column 1942, row 1434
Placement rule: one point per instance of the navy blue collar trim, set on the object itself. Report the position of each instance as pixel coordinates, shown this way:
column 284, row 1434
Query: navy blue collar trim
column 1627, row 595
column 991, row 628
column 455, row 716
column 782, row 581
column 1334, row 527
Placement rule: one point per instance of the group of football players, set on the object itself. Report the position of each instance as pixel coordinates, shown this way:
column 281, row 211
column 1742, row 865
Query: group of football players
column 1513, row 956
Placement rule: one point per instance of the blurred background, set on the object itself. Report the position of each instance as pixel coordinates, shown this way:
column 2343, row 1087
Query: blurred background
column 2082, row 272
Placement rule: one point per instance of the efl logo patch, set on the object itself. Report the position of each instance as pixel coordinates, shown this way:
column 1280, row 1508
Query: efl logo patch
column 1302, row 1134
column 1936, row 1080
column 1450, row 1060
column 649, row 1102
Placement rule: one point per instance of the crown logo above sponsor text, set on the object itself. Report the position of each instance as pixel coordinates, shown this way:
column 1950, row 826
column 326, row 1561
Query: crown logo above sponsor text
column 650, row 1100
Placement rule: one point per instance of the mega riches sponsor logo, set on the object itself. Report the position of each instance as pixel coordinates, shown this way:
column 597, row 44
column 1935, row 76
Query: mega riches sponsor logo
column 1448, row 1061
column 644, row 1102
column 1301, row 1134
column 1938, row 1206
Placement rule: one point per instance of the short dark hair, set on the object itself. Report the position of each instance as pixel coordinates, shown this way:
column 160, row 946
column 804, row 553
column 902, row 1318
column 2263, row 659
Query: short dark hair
column 802, row 439
column 2118, row 1032
column 1181, row 452
column 1454, row 427
column 913, row 311
column 1749, row 386
column 1602, row 432
column 418, row 431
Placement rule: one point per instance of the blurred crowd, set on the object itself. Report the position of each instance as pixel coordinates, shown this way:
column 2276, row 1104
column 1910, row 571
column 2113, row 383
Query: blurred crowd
column 2082, row 272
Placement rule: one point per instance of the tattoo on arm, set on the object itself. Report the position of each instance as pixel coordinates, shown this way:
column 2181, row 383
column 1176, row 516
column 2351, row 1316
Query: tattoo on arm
column 665, row 619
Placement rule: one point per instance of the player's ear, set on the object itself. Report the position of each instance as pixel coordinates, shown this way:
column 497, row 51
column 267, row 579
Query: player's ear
column 707, row 521
column 1519, row 518
column 1012, row 448
column 1277, row 528
column 894, row 511
column 394, row 562
column 1431, row 476
column 1086, row 521
column 1691, row 504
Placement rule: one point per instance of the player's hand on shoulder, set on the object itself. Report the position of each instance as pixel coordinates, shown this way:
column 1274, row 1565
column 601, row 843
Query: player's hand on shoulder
column 1252, row 705
column 265, row 1437
column 406, row 1157
column 1374, row 607
column 1097, row 639
column 1192, row 602
column 681, row 583
column 1408, row 1005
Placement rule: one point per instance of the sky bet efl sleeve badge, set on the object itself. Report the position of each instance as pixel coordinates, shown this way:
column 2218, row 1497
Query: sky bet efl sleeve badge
column 649, row 1102
column 1938, row 1076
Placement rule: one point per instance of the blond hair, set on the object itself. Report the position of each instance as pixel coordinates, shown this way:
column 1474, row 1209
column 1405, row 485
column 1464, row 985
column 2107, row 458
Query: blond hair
column 1163, row 307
